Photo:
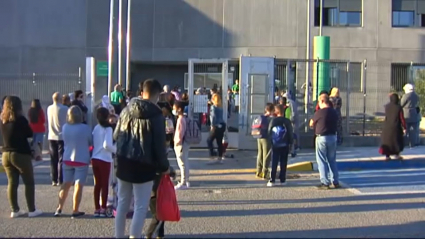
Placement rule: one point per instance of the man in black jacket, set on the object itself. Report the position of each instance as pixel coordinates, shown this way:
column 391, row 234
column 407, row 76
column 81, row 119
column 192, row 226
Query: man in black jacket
column 141, row 154
column 281, row 137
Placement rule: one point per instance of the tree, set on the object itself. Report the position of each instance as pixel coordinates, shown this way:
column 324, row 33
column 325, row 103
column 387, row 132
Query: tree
column 420, row 88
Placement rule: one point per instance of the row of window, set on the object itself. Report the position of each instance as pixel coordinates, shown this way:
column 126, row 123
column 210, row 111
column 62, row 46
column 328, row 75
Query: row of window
column 405, row 13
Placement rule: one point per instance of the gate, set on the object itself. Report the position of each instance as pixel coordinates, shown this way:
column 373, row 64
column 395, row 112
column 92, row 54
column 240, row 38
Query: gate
column 204, row 77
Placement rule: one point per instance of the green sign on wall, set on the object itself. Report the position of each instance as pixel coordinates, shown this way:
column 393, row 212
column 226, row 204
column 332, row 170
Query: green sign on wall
column 102, row 68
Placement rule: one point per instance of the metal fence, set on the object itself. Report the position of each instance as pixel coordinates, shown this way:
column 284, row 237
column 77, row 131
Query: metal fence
column 29, row 86
column 364, row 88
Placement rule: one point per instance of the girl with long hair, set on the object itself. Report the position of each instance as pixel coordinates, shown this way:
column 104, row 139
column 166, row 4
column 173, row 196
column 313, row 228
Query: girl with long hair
column 37, row 124
column 16, row 157
column 103, row 148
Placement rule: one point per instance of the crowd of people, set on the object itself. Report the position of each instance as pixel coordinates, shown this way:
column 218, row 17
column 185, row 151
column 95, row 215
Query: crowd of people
column 134, row 135
column 132, row 140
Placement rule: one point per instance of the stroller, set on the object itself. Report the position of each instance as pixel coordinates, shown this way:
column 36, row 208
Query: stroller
column 111, row 207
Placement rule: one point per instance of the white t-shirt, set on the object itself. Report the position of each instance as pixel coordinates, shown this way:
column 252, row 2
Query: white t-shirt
column 103, row 145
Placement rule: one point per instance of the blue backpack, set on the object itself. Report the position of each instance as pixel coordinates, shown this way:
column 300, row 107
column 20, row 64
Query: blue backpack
column 259, row 127
column 278, row 134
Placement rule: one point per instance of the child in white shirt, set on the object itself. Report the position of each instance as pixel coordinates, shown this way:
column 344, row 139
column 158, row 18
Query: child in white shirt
column 103, row 148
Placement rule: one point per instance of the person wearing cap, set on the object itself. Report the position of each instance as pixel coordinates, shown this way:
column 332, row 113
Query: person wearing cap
column 409, row 102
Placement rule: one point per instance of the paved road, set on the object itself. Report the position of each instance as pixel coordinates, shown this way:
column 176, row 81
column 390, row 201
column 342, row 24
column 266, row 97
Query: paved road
column 225, row 202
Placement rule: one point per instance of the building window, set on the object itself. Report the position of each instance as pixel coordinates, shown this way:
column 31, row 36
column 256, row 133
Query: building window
column 403, row 18
column 408, row 13
column 339, row 13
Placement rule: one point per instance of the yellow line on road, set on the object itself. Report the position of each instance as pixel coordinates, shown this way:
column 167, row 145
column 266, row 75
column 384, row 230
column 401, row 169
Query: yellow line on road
column 296, row 167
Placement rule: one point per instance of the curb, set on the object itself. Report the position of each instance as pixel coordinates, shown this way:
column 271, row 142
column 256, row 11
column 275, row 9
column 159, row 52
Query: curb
column 306, row 166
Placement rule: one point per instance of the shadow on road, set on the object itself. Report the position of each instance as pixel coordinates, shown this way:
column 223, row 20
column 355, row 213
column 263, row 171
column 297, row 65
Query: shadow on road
column 297, row 210
column 356, row 198
column 407, row 230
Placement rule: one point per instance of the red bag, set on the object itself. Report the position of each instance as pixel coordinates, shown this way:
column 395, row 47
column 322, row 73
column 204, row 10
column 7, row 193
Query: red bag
column 204, row 119
column 167, row 208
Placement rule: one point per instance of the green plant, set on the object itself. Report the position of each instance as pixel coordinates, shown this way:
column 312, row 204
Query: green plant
column 420, row 88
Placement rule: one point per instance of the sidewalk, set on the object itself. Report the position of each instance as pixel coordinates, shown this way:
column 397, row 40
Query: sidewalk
column 244, row 161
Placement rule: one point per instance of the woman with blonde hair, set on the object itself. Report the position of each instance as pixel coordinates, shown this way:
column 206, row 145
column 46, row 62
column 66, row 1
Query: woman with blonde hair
column 337, row 104
column 16, row 157
column 77, row 139
column 218, row 127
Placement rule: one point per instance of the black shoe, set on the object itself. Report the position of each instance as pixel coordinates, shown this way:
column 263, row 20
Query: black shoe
column 77, row 214
column 323, row 187
column 58, row 213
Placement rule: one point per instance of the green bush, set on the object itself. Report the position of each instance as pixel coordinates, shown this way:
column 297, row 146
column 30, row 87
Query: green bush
column 420, row 88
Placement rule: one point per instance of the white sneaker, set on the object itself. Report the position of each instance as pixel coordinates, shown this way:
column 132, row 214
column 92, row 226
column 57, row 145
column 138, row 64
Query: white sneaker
column 270, row 184
column 36, row 213
column 181, row 186
column 17, row 214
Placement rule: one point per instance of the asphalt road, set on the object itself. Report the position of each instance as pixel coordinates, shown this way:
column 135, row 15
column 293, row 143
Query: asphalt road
column 232, row 204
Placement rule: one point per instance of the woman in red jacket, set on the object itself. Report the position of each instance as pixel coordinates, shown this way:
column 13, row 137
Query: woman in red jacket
column 37, row 120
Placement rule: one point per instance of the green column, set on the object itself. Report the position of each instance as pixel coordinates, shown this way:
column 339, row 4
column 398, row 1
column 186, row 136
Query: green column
column 322, row 50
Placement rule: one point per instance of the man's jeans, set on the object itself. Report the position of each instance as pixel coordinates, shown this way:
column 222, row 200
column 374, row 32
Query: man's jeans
column 412, row 133
column 326, row 159
column 142, row 195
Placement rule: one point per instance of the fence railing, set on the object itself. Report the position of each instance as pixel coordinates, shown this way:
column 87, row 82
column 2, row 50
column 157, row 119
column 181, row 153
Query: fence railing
column 29, row 86
column 364, row 88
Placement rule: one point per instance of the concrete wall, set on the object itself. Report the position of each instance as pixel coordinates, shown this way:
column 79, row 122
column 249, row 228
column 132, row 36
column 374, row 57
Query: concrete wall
column 51, row 36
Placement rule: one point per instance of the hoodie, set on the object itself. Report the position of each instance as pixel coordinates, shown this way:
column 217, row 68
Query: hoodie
column 140, row 136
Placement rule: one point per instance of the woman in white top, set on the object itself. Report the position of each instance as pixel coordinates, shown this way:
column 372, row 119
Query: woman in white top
column 103, row 148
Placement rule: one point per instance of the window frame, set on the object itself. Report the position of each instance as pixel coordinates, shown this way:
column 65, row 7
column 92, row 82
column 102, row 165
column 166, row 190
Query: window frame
column 417, row 17
column 337, row 18
column 399, row 14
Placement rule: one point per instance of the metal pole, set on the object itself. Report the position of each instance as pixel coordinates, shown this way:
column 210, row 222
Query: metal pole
column 364, row 94
column 110, row 46
column 321, row 18
column 287, row 76
column 128, row 43
column 411, row 80
column 347, row 103
column 317, row 79
column 79, row 77
column 120, row 16
column 307, row 69
column 190, row 88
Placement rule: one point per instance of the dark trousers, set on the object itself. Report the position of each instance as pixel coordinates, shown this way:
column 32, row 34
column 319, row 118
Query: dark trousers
column 279, row 156
column 217, row 134
column 56, row 149
column 155, row 224
column 15, row 165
